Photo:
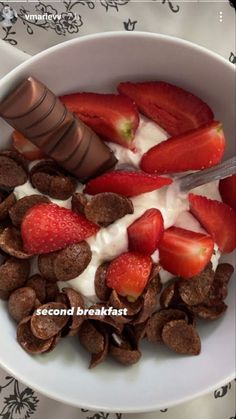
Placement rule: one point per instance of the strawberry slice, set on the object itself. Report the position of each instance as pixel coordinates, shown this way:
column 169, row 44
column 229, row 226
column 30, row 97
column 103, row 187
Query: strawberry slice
column 114, row 117
column 126, row 183
column 145, row 232
column 195, row 150
column 227, row 189
column 48, row 227
column 173, row 108
column 25, row 147
column 128, row 274
column 184, row 252
column 217, row 218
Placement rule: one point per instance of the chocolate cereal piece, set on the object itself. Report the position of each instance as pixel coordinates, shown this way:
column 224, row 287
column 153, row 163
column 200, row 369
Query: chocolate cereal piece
column 4, row 295
column 219, row 288
column 28, row 341
column 158, row 320
column 6, row 203
column 17, row 157
column 78, row 202
column 101, row 289
column 90, row 338
column 75, row 301
column 12, row 244
column 65, row 264
column 181, row 337
column 105, row 208
column 149, row 300
column 109, row 322
column 12, row 173
column 209, row 313
column 125, row 356
column 51, row 180
column 97, row 359
column 119, row 302
column 51, row 291
column 193, row 291
column 21, row 303
column 18, row 211
column 46, row 326
column 170, row 295
column 13, row 273
column 38, row 284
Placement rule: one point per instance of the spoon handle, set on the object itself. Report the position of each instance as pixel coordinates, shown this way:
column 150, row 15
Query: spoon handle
column 221, row 171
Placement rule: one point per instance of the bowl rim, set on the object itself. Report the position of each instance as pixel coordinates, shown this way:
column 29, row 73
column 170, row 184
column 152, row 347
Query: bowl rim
column 100, row 36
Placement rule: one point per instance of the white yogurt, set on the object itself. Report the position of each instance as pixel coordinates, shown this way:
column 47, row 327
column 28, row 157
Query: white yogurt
column 111, row 241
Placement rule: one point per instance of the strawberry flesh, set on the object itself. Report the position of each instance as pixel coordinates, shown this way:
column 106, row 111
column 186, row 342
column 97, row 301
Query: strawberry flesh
column 184, row 252
column 198, row 149
column 227, row 189
column 47, row 227
column 114, row 117
column 171, row 107
column 218, row 219
column 145, row 233
column 126, row 183
column 128, row 274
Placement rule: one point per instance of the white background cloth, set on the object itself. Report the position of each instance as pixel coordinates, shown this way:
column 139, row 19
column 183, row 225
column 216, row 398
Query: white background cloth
column 208, row 23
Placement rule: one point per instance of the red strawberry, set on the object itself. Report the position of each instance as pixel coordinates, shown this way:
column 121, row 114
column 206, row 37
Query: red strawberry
column 128, row 274
column 217, row 218
column 48, row 227
column 145, row 232
column 184, row 252
column 114, row 117
column 198, row 149
column 173, row 108
column 227, row 189
column 126, row 183
column 25, row 147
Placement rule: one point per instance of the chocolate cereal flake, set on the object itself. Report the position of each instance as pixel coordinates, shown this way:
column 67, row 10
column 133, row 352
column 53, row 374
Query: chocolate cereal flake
column 169, row 295
column 38, row 284
column 219, row 288
column 21, row 303
column 193, row 291
column 181, row 337
column 78, row 202
column 101, row 289
column 97, row 359
column 6, row 204
column 210, row 313
column 18, row 211
column 158, row 320
column 90, row 338
column 13, row 273
column 125, row 356
column 28, row 341
column 51, row 291
column 12, row 173
column 46, row 326
column 149, row 300
column 12, row 244
column 105, row 208
column 75, row 301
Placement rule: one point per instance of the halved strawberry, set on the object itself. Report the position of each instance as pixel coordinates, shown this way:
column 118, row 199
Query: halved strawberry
column 114, row 117
column 25, row 147
column 126, row 183
column 184, row 252
column 227, row 189
column 128, row 274
column 145, row 232
column 198, row 149
column 217, row 218
column 173, row 108
column 47, row 227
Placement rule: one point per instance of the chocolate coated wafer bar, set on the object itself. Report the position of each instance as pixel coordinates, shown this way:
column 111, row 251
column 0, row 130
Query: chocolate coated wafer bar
column 38, row 114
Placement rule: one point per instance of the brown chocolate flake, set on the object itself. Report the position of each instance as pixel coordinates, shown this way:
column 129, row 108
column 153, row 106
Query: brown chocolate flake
column 12, row 173
column 6, row 204
column 110, row 322
column 97, row 359
column 38, row 284
column 46, row 326
column 28, row 341
column 17, row 157
column 51, row 180
column 149, row 300
column 193, row 291
column 219, row 289
column 90, row 338
column 105, row 208
column 65, row 264
column 78, row 202
column 170, row 295
column 76, row 301
column 181, row 337
column 21, row 303
column 119, row 302
column 101, row 289
column 125, row 356
column 4, row 295
column 18, row 211
column 51, row 291
column 209, row 313
column 158, row 320
column 12, row 244
column 13, row 273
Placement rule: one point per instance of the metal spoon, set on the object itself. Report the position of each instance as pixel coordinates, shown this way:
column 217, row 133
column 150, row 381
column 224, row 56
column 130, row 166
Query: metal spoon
column 220, row 171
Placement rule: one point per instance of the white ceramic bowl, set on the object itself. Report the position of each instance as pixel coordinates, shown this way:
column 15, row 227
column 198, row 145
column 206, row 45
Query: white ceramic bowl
column 161, row 379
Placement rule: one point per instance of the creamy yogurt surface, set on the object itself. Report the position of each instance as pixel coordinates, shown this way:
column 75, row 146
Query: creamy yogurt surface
column 111, row 241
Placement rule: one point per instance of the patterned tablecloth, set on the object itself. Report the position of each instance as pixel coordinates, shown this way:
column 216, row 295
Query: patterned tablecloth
column 208, row 23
